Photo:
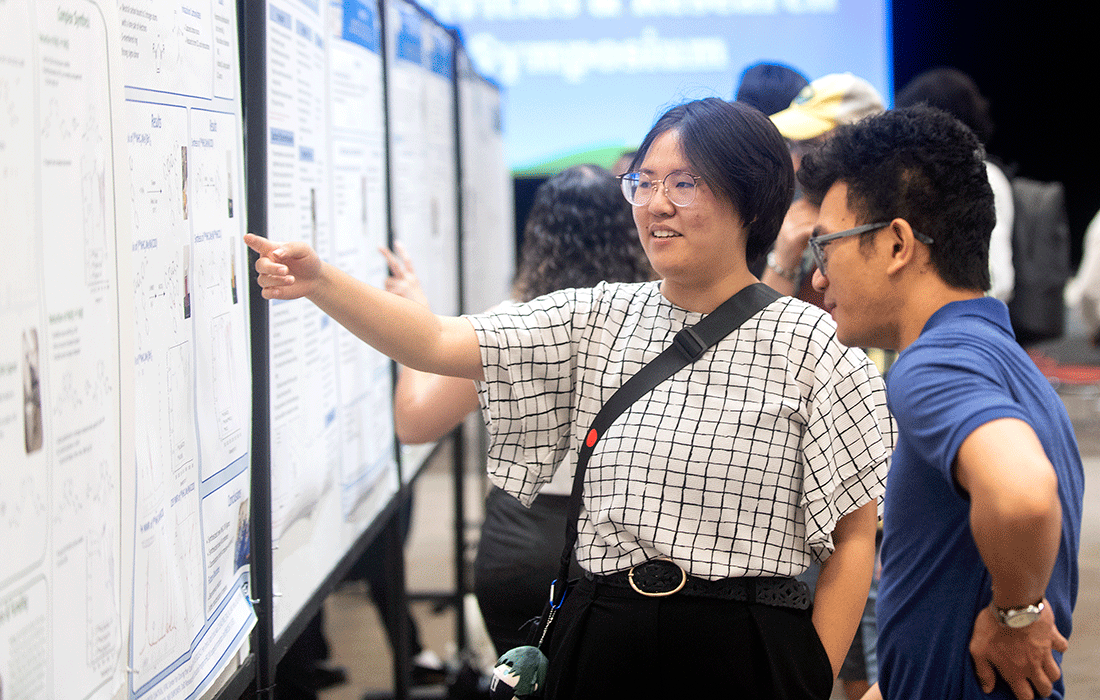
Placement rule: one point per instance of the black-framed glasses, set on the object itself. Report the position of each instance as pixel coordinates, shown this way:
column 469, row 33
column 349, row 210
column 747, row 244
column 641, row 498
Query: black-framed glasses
column 818, row 243
column 679, row 187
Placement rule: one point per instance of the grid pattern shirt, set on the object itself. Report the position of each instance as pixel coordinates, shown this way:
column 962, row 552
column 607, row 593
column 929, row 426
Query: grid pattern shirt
column 740, row 464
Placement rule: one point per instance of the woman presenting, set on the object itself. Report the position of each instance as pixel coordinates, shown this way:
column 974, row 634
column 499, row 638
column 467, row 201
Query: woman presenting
column 765, row 454
column 580, row 232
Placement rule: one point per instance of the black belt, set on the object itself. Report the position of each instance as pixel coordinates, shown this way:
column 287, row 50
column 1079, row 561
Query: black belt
column 662, row 577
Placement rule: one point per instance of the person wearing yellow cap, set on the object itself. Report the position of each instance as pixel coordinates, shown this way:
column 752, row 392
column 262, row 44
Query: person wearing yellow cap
column 821, row 106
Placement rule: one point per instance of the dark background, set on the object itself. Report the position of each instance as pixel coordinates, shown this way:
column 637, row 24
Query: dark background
column 1030, row 60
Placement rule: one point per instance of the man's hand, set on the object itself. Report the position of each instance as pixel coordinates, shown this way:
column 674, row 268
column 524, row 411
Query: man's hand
column 794, row 234
column 1022, row 656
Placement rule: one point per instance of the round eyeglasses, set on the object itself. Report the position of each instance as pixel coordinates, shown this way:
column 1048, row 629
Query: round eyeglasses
column 679, row 187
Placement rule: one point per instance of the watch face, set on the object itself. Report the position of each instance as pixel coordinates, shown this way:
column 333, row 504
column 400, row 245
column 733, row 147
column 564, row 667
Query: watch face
column 1021, row 617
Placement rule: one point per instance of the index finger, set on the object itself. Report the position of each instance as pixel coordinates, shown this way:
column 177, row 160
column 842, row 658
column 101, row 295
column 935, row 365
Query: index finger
column 259, row 244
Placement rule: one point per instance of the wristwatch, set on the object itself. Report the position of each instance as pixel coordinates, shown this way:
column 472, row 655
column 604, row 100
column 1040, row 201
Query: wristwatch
column 783, row 272
column 1019, row 617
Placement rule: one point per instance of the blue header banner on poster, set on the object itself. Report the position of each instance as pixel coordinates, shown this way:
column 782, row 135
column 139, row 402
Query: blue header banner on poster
column 280, row 17
column 442, row 56
column 361, row 25
column 408, row 37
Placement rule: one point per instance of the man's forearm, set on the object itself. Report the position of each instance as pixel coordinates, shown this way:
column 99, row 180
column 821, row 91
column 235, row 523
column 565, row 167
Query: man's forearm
column 1018, row 541
column 1015, row 513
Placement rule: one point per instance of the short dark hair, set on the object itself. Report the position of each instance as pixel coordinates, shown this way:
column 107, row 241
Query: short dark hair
column 922, row 165
column 741, row 156
column 580, row 231
column 770, row 87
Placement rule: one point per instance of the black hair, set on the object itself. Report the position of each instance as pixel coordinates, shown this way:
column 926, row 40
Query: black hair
column 922, row 165
column 770, row 87
column 954, row 92
column 740, row 155
column 580, row 231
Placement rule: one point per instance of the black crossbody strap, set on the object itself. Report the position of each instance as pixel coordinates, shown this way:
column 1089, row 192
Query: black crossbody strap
column 687, row 346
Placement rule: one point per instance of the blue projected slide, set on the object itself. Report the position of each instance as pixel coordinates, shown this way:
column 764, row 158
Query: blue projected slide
column 583, row 74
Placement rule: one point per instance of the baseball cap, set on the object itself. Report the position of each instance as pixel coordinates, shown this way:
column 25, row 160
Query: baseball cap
column 826, row 103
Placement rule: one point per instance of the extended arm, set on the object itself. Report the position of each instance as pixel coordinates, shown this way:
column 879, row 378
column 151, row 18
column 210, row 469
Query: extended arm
column 845, row 581
column 1016, row 520
column 404, row 330
column 425, row 406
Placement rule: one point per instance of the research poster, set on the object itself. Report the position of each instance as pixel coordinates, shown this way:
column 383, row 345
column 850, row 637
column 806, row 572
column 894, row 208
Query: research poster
column 360, row 223
column 65, row 351
column 190, row 611
column 304, row 432
column 332, row 450
column 422, row 150
column 488, row 241
column 423, row 162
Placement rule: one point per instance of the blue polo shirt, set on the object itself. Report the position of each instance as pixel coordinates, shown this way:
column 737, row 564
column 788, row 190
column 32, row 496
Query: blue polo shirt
column 964, row 370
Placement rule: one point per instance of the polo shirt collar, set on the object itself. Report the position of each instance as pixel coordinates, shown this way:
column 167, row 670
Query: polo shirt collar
column 988, row 309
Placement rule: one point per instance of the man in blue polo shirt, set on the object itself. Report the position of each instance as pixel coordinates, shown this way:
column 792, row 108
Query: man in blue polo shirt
column 982, row 511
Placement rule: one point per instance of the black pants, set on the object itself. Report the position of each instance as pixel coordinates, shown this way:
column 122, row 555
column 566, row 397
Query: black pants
column 518, row 556
column 611, row 642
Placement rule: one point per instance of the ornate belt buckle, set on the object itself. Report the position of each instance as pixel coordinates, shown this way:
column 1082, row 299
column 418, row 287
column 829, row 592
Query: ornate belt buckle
column 656, row 578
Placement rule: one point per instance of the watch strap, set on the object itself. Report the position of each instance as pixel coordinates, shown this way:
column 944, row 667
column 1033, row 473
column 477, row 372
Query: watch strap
column 1020, row 616
column 789, row 275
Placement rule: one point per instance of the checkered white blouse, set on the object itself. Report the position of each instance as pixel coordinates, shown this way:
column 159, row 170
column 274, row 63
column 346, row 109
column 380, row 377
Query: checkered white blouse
column 738, row 465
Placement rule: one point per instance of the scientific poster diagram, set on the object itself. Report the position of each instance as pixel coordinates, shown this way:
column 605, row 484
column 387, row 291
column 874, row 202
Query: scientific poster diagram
column 440, row 155
column 304, row 432
column 63, row 384
column 24, row 478
column 189, row 610
column 305, row 428
column 487, row 212
column 359, row 225
column 421, row 111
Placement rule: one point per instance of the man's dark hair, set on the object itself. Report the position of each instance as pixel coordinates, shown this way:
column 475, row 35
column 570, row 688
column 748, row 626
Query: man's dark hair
column 580, row 231
column 922, row 165
column 740, row 155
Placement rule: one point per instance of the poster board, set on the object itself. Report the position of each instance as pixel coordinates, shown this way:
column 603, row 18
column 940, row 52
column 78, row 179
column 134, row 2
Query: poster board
column 64, row 383
column 127, row 430
column 423, row 169
column 190, row 606
column 332, row 455
column 488, row 241
column 120, row 166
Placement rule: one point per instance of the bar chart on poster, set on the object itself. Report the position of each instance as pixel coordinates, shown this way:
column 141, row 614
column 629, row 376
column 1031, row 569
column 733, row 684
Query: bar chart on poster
column 127, row 358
